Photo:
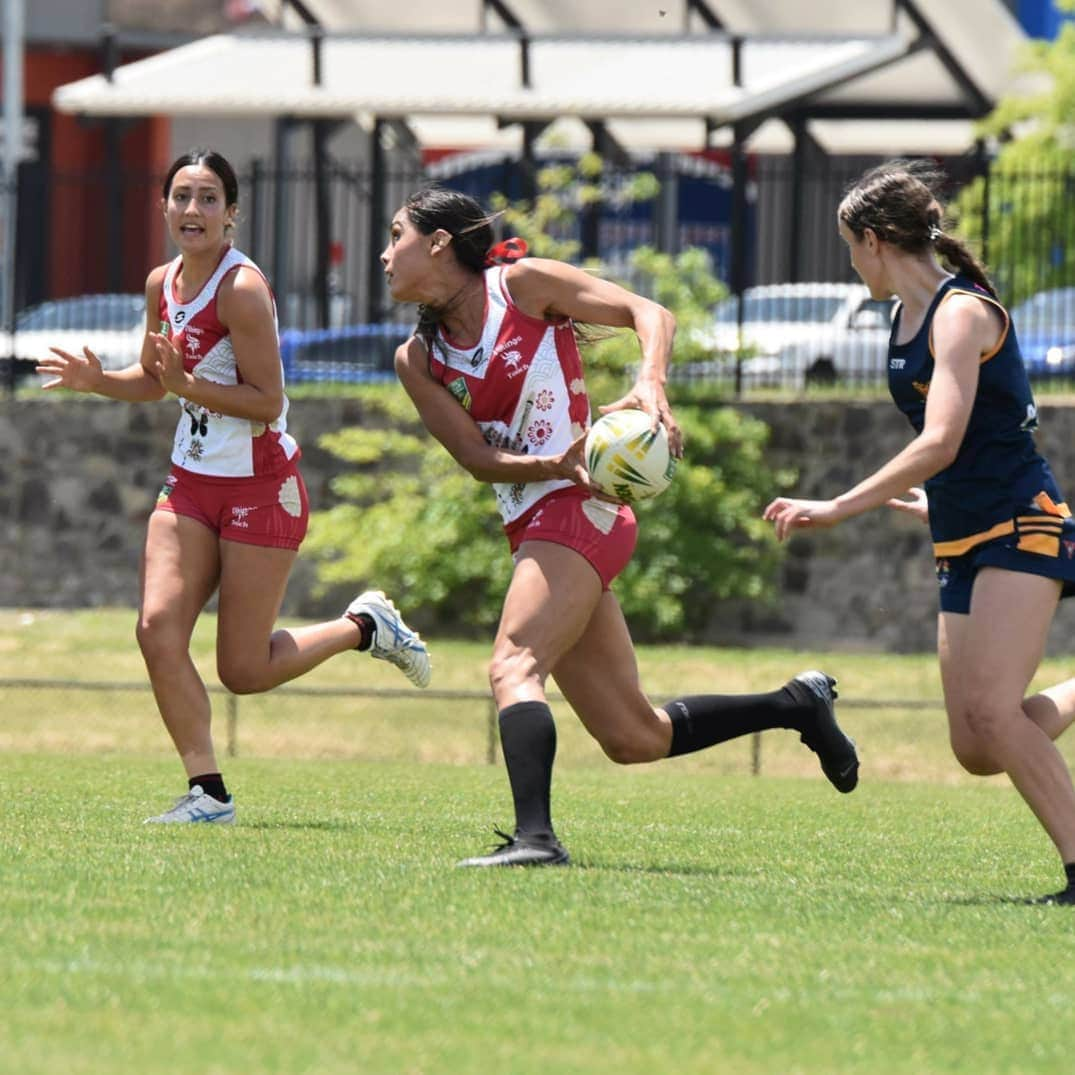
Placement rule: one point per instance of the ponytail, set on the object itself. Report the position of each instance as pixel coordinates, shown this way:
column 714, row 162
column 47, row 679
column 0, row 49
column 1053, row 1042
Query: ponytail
column 959, row 257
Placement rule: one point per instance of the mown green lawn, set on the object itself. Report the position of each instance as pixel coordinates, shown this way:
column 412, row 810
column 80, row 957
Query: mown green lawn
column 713, row 922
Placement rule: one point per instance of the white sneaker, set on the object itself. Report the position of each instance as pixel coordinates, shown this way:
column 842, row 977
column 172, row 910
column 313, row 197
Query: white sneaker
column 393, row 640
column 195, row 806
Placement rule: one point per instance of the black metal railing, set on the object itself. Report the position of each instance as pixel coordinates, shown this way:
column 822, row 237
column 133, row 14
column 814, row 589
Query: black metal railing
column 804, row 322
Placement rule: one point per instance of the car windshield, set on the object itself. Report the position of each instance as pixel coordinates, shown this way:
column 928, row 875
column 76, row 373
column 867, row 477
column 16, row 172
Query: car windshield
column 1048, row 311
column 84, row 312
column 803, row 308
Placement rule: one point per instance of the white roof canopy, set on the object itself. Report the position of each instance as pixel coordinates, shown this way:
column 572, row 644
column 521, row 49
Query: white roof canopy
column 868, row 75
column 689, row 76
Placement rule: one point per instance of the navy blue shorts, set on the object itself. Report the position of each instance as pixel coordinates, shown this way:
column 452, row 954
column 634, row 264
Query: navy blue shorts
column 1054, row 540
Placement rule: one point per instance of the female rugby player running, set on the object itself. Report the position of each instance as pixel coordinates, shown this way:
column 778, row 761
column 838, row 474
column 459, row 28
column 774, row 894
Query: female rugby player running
column 233, row 509
column 495, row 374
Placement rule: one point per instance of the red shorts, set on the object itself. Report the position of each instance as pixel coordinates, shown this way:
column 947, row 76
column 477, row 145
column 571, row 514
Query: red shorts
column 271, row 511
column 603, row 533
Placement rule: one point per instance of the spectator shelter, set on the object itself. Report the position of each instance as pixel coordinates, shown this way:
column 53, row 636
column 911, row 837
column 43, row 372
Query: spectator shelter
column 867, row 77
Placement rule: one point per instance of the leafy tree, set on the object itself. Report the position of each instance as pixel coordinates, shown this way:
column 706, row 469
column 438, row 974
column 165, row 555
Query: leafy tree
column 1022, row 211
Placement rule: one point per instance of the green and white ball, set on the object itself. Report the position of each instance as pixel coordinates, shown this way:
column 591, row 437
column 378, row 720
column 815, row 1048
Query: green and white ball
column 627, row 459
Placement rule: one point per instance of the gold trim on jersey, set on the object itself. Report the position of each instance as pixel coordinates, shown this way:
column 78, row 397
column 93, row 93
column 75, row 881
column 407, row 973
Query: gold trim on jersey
column 983, row 359
column 1037, row 533
column 964, row 545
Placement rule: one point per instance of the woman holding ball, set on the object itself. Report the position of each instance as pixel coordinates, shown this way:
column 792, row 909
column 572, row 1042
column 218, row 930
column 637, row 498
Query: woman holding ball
column 495, row 374
column 233, row 509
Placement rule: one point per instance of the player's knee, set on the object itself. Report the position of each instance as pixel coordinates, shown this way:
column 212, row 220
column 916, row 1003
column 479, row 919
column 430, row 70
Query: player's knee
column 974, row 755
column 989, row 720
column 511, row 667
column 625, row 750
column 242, row 678
column 157, row 639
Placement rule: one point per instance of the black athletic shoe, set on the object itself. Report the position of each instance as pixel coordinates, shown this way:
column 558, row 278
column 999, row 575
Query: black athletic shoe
column 523, row 851
column 1063, row 898
column 835, row 750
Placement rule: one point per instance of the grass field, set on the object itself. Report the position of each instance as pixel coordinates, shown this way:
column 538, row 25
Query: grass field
column 714, row 922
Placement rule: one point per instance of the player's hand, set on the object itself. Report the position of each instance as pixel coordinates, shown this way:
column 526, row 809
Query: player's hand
column 79, row 373
column 649, row 396
column 167, row 365
column 917, row 504
column 788, row 514
column 572, row 463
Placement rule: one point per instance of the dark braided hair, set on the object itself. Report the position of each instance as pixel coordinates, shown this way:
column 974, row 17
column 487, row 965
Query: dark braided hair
column 899, row 202
column 470, row 227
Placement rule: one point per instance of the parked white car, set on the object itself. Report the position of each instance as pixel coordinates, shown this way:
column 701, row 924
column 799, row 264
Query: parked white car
column 802, row 334
column 112, row 326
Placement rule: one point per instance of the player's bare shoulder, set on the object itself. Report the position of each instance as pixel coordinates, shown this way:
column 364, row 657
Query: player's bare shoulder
column 155, row 280
column 976, row 319
column 412, row 360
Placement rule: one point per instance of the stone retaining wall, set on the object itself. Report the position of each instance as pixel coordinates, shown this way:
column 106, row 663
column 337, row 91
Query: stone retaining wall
column 79, row 478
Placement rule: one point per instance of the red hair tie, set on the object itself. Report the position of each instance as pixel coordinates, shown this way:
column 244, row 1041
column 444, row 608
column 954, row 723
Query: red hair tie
column 504, row 253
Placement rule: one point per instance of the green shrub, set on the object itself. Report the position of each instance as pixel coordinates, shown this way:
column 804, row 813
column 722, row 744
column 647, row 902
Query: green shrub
column 413, row 520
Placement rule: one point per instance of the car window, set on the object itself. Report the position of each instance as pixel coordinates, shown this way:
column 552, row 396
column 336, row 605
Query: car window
column 111, row 312
column 873, row 313
column 1048, row 311
column 798, row 308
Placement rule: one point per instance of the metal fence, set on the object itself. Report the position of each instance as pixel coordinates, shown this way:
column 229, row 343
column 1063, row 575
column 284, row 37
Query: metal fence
column 25, row 701
column 800, row 319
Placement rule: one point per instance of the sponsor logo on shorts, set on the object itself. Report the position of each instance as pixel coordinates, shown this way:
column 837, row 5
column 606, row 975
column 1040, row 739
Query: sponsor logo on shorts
column 601, row 514
column 240, row 517
column 166, row 489
column 289, row 497
column 944, row 570
column 1069, row 549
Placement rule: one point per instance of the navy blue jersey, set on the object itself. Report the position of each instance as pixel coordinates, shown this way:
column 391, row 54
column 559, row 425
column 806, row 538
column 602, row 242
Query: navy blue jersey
column 998, row 483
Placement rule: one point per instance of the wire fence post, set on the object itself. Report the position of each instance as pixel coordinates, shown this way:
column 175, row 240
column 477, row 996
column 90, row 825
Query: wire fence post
column 233, row 726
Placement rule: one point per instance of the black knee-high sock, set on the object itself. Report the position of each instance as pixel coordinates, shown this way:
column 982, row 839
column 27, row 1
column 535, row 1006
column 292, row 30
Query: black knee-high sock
column 702, row 720
column 528, row 739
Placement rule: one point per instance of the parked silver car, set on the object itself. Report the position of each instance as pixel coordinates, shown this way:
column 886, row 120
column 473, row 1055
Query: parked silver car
column 801, row 334
column 112, row 326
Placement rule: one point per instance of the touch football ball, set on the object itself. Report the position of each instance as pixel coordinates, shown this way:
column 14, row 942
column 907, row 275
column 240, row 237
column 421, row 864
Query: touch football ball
column 627, row 459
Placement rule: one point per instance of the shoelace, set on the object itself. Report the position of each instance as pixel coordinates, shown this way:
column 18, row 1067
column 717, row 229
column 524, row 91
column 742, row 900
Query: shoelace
column 509, row 841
